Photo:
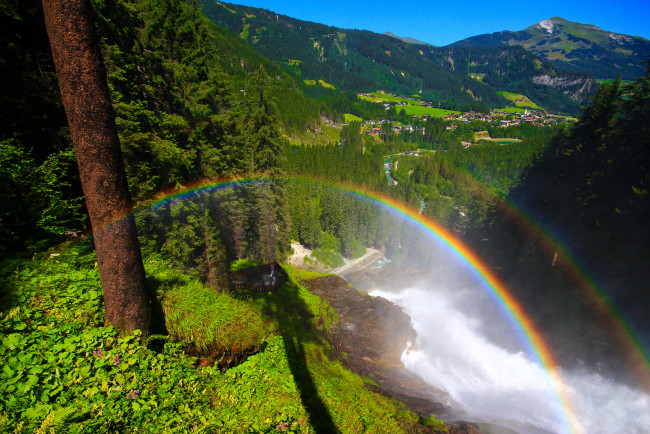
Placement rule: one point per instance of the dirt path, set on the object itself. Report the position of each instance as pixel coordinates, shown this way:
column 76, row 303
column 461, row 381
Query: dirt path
column 371, row 256
column 300, row 252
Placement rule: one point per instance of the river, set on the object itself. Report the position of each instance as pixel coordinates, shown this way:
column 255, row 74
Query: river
column 466, row 347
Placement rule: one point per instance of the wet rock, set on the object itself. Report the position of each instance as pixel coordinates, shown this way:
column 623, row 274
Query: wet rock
column 370, row 338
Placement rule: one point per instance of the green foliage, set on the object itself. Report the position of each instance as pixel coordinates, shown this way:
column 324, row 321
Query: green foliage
column 64, row 371
column 203, row 319
column 262, row 124
column 330, row 242
column 241, row 264
column 329, row 253
column 355, row 249
column 456, row 187
column 40, row 194
column 357, row 61
column 600, row 168
column 203, row 233
column 329, row 258
column 435, row 424
column 588, row 189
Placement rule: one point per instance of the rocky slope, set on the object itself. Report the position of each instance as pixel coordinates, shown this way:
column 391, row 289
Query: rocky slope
column 369, row 339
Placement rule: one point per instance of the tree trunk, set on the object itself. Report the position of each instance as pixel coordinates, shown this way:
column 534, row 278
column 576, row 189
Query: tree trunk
column 86, row 99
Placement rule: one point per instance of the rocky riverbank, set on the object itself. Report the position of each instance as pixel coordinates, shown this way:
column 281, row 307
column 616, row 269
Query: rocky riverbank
column 370, row 338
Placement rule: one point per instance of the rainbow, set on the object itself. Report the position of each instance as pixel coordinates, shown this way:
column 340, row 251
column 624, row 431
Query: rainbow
column 533, row 339
column 593, row 294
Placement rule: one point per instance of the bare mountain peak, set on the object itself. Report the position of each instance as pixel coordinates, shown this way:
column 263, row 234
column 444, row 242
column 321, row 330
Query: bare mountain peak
column 556, row 24
column 548, row 25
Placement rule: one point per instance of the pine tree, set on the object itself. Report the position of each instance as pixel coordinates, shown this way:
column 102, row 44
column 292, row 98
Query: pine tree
column 86, row 99
column 262, row 125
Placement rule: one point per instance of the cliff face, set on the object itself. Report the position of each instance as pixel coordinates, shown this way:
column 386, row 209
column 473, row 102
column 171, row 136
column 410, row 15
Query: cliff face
column 514, row 69
column 577, row 88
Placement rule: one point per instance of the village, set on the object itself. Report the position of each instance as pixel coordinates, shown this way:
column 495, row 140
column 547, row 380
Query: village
column 502, row 118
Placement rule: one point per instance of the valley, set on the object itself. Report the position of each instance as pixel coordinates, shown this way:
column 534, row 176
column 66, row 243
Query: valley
column 331, row 229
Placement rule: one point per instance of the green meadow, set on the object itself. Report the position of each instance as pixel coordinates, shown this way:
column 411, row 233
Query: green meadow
column 413, row 108
column 519, row 100
column 309, row 82
column 513, row 110
column 349, row 117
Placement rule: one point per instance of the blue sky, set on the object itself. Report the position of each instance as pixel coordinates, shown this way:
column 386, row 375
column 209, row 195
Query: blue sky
column 444, row 22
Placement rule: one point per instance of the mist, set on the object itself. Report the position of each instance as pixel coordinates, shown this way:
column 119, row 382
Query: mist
column 467, row 347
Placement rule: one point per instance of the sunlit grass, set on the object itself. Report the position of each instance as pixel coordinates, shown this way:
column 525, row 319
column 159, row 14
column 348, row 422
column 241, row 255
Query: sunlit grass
column 413, row 108
column 349, row 117
column 519, row 100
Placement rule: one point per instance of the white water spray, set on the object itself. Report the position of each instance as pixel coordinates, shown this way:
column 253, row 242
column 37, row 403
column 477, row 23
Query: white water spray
column 499, row 384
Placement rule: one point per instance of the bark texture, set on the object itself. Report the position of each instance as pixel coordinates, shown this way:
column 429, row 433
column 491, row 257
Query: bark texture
column 86, row 99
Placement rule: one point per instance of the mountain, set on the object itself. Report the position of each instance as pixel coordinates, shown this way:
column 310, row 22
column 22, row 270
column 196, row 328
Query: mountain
column 574, row 47
column 361, row 61
column 405, row 39
column 354, row 60
column 519, row 71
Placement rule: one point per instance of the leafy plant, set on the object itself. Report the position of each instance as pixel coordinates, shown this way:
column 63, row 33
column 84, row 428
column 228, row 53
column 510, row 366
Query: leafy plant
column 63, row 371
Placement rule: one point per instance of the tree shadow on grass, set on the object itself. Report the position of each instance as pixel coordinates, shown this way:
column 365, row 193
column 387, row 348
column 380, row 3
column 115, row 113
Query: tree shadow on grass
column 294, row 320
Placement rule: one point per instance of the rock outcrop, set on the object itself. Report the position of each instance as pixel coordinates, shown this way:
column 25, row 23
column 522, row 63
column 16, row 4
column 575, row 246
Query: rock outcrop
column 370, row 338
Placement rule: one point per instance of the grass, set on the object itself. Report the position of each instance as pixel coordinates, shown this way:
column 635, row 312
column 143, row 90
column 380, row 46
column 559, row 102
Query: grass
column 303, row 275
column 416, row 110
column 513, row 110
column 481, row 135
column 519, row 100
column 413, row 108
column 349, row 117
column 314, row 82
column 64, row 371
column 245, row 32
column 326, row 84
column 203, row 319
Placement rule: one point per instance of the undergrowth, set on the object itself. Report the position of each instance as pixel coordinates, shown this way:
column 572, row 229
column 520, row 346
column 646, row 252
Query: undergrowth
column 329, row 258
column 211, row 322
column 63, row 371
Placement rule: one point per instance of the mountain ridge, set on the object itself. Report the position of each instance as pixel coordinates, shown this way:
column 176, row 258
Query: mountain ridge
column 363, row 61
column 574, row 46
column 407, row 39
